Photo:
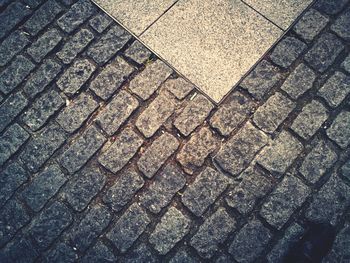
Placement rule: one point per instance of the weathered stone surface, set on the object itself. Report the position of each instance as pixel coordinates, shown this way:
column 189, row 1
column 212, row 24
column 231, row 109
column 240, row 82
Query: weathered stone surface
column 11, row 46
column 75, row 45
column 330, row 7
column 340, row 129
column 43, row 186
column 128, row 227
column 232, row 113
column 203, row 192
column 342, row 24
column 111, row 78
column 213, row 232
column 182, row 256
column 109, row 44
column 346, row 64
column 236, row 154
column 311, row 118
column 77, row 112
column 179, row 87
column 11, row 140
column 121, row 151
column 288, row 196
column 61, row 253
column 271, row 114
column 100, row 22
column 75, row 76
column 346, row 170
column 138, row 52
column 123, row 189
column 141, row 253
column 157, row 154
column 340, row 249
column 82, row 149
column 280, row 153
column 193, row 114
column 10, row 108
column 299, row 81
column 153, row 117
column 261, row 79
column 324, row 52
column 24, row 245
column 111, row 119
column 249, row 242
column 99, row 253
column 164, row 186
column 336, row 89
column 316, row 163
column 169, row 231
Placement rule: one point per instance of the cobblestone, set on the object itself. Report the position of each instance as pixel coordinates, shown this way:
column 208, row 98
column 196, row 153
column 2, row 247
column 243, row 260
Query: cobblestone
column 342, row 24
column 311, row 118
column 165, row 185
column 206, row 188
column 121, row 151
column 141, row 253
column 213, row 232
column 182, row 257
column 138, row 52
column 22, row 244
column 157, row 154
column 331, row 7
column 346, row 64
column 340, row 251
column 11, row 108
column 346, row 170
column 236, row 154
column 339, row 130
column 99, row 253
column 11, row 46
column 169, row 231
column 179, row 87
column 100, row 22
column 61, row 253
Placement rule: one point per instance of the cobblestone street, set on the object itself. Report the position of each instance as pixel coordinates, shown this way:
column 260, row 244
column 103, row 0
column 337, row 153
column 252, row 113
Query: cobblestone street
column 107, row 155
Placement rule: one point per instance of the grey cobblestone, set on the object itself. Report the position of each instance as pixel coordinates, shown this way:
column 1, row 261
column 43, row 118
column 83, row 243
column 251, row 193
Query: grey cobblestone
column 157, row 154
column 342, row 24
column 61, row 253
column 340, row 129
column 179, row 87
column 330, row 7
column 100, row 22
column 138, row 52
column 11, row 46
column 346, row 64
column 22, row 244
column 141, row 253
column 182, row 257
column 340, row 251
column 205, row 189
column 345, row 170
column 10, row 108
column 99, row 253
column 33, row 3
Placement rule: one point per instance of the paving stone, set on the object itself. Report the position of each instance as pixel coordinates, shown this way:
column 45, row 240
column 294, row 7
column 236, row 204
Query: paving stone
column 148, row 81
column 90, row 227
column 82, row 149
column 249, row 242
column 77, row 112
column 311, row 118
column 128, row 227
column 12, row 177
column 11, row 140
column 41, row 147
column 99, row 253
column 342, row 24
column 61, row 253
column 111, row 78
column 280, row 153
column 346, row 64
column 156, row 114
column 197, row 148
column 193, row 114
column 42, row 17
column 157, row 154
column 346, row 170
column 213, row 232
column 42, row 109
column 252, row 187
column 75, row 45
column 83, row 188
column 138, row 52
column 288, row 196
column 110, row 119
column 68, row 2
column 11, row 16
column 179, row 87
column 49, row 224
column 340, row 251
column 19, row 250
column 109, row 44
column 141, row 253
column 271, row 114
column 310, row 24
column 340, row 129
column 330, row 202
column 13, row 217
column 123, row 189
column 182, row 256
column 3, row 3
column 43, row 187
column 44, row 45
column 291, row 236
column 15, row 73
column 33, row 3
column 236, row 154
column 317, row 162
column 42, row 77
column 261, row 79
column 330, row 7
column 164, row 186
column 76, row 15
column 336, row 89
column 203, row 192
column 232, row 113
column 299, row 81
column 324, row 52
column 121, row 151
column 169, row 231
column 11, row 46
column 100, row 22
column 75, row 76
column 287, row 51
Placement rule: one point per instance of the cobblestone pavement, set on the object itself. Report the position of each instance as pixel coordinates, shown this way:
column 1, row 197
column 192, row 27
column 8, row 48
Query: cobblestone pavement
column 106, row 155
